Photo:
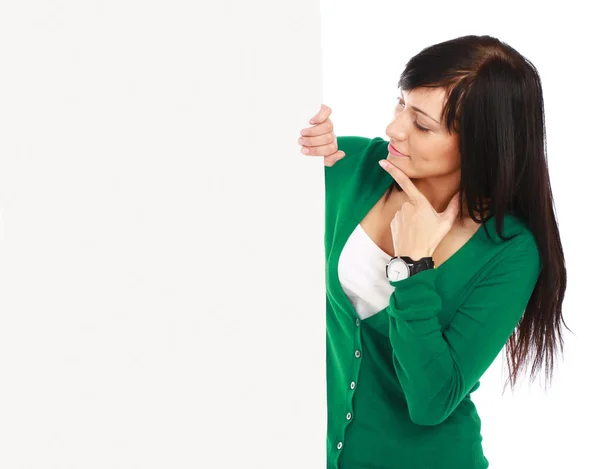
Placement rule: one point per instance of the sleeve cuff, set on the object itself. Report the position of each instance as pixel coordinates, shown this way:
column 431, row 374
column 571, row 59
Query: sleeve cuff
column 415, row 297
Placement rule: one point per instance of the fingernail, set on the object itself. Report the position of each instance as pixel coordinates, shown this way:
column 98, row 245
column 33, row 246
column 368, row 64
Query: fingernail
column 383, row 163
column 312, row 121
column 305, row 151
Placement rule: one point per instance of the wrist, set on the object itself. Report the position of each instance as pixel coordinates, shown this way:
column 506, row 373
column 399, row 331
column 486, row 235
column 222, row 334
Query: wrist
column 415, row 255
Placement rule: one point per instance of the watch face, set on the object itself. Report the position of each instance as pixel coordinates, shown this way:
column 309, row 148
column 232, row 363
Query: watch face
column 397, row 270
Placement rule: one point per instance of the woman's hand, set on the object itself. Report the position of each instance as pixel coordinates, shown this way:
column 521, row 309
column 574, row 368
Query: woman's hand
column 320, row 139
column 417, row 229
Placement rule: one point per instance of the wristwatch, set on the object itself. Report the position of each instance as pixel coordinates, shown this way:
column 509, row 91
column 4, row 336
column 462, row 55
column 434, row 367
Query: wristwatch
column 402, row 267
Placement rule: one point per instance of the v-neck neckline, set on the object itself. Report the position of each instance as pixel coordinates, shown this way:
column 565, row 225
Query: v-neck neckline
column 361, row 209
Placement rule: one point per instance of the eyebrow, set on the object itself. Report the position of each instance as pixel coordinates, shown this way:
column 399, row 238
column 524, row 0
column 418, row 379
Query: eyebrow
column 419, row 110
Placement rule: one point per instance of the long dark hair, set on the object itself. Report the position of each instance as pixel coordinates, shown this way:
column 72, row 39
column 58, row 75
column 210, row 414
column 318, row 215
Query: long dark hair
column 495, row 104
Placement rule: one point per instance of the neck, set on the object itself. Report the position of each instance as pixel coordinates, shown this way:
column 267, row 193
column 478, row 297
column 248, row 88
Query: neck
column 438, row 191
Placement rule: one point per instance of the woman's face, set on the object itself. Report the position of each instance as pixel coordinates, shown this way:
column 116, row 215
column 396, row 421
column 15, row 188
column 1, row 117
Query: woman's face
column 431, row 150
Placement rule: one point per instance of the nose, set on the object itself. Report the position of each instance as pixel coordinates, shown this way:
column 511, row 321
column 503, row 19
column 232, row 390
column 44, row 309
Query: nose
column 399, row 127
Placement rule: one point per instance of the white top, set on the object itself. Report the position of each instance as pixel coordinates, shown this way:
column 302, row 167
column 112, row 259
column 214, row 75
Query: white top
column 361, row 270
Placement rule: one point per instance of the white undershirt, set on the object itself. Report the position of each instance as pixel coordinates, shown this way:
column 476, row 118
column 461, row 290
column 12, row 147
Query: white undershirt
column 361, row 271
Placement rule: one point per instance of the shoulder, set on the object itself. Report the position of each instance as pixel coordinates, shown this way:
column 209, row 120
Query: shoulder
column 354, row 147
column 360, row 148
column 512, row 227
column 361, row 154
column 521, row 248
column 516, row 227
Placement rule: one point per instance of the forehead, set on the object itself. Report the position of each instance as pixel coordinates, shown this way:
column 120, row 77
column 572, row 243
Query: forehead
column 431, row 99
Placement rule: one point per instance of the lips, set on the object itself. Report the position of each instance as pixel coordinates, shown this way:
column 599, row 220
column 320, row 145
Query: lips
column 394, row 151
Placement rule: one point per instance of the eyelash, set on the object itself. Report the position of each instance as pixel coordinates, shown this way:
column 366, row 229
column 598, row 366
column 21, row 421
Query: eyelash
column 419, row 128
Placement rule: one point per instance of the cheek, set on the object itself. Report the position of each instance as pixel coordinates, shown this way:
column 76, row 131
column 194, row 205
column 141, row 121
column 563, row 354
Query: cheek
column 452, row 161
column 447, row 146
column 442, row 154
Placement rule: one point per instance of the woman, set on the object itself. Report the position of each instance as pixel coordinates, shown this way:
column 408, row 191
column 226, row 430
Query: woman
column 438, row 260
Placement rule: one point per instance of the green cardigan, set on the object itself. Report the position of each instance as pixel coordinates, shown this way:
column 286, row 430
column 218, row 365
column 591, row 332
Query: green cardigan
column 399, row 382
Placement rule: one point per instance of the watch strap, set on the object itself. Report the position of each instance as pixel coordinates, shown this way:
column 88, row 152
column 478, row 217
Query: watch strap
column 416, row 266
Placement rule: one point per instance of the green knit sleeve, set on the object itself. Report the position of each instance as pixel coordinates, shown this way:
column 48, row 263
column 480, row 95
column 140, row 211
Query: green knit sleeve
column 438, row 368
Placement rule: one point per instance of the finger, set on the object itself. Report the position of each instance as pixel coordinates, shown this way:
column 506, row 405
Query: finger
column 330, row 160
column 403, row 180
column 322, row 150
column 324, row 127
column 323, row 114
column 324, row 139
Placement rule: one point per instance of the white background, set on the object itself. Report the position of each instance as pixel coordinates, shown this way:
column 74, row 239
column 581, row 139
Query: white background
column 161, row 235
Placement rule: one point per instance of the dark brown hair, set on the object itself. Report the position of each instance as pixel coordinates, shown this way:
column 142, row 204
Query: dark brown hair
column 495, row 104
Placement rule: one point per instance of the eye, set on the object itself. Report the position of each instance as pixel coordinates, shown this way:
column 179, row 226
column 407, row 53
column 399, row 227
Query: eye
column 419, row 128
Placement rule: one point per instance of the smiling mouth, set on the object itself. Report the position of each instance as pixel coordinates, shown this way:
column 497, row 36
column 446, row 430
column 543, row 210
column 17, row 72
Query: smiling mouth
column 392, row 149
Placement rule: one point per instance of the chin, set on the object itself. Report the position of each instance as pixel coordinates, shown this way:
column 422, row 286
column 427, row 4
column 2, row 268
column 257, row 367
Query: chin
column 398, row 158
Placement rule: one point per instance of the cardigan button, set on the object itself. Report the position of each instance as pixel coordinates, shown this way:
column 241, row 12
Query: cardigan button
column 339, row 445
column 357, row 323
column 357, row 354
column 348, row 416
column 352, row 385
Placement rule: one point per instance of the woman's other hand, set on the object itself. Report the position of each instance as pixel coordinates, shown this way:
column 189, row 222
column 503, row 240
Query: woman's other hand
column 320, row 140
